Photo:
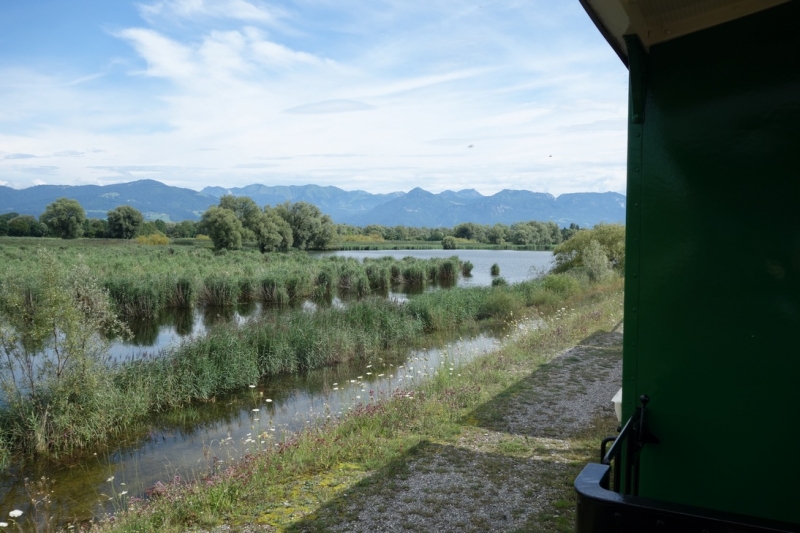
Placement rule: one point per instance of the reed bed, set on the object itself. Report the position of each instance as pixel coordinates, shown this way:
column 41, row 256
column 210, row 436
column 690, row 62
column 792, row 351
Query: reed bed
column 143, row 281
column 231, row 357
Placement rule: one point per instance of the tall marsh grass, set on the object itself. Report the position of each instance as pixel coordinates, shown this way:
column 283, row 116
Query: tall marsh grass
column 143, row 281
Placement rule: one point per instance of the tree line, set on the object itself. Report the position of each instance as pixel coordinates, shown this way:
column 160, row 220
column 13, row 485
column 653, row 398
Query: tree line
column 230, row 223
column 524, row 233
column 238, row 219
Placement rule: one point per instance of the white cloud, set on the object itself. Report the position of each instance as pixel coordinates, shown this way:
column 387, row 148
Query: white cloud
column 165, row 58
column 227, row 9
column 270, row 54
column 329, row 106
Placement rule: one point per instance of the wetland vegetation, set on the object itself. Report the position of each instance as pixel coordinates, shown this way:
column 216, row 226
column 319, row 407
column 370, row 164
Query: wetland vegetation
column 59, row 306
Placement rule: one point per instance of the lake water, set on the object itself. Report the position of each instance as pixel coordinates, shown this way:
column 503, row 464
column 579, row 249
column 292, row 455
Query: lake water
column 515, row 266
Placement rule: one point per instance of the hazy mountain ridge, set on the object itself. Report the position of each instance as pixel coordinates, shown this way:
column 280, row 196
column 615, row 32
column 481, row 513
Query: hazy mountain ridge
column 417, row 207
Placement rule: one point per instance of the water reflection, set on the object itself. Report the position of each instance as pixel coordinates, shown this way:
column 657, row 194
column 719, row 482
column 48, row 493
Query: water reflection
column 185, row 442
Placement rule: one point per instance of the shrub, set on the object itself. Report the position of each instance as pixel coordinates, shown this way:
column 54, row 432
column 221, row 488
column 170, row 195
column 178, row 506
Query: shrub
column 596, row 262
column 611, row 239
column 495, row 270
column 499, row 282
column 449, row 243
column 563, row 285
column 157, row 238
column 58, row 395
column 502, row 304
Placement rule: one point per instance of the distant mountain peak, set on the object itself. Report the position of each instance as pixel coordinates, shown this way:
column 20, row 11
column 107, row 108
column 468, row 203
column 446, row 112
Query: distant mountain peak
column 416, row 207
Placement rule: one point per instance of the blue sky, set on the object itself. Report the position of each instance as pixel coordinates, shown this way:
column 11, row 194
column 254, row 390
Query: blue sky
column 384, row 95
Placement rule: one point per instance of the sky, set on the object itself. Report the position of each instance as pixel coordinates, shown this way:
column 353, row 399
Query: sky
column 378, row 95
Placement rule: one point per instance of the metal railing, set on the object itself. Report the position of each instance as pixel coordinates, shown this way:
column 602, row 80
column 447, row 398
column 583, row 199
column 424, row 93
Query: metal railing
column 632, row 438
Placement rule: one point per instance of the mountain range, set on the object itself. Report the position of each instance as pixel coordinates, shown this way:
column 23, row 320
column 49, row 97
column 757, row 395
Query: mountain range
column 417, row 207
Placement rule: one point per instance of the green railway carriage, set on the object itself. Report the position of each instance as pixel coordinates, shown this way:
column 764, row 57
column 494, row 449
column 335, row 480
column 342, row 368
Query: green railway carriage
column 710, row 433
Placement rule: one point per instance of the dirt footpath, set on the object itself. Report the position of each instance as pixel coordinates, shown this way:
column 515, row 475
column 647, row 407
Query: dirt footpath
column 511, row 468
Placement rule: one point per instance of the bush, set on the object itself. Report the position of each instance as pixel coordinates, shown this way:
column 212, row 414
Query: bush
column 449, row 243
column 563, row 285
column 596, row 262
column 571, row 254
column 502, row 304
column 499, row 282
column 153, row 239
column 58, row 395
column 495, row 270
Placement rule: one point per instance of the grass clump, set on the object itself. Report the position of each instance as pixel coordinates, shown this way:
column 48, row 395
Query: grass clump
column 57, row 394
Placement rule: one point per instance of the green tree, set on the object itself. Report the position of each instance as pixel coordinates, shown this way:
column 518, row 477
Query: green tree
column 436, row 235
column 124, row 222
column 471, row 231
column 148, row 227
column 375, row 229
column 595, row 261
column 611, row 239
column 555, row 233
column 272, row 231
column 183, row 229
column 310, row 228
column 223, row 227
column 497, row 234
column 95, row 228
column 4, row 222
column 449, row 243
column 26, row 226
column 567, row 233
column 246, row 210
column 64, row 218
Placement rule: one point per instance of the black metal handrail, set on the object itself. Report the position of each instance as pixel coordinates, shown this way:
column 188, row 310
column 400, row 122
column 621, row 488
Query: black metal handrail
column 636, row 426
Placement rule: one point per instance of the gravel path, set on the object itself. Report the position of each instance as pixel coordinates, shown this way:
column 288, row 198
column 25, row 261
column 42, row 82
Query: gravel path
column 506, row 468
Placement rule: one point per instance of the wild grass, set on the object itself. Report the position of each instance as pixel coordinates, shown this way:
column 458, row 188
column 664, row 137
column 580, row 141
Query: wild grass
column 362, row 451
column 144, row 280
